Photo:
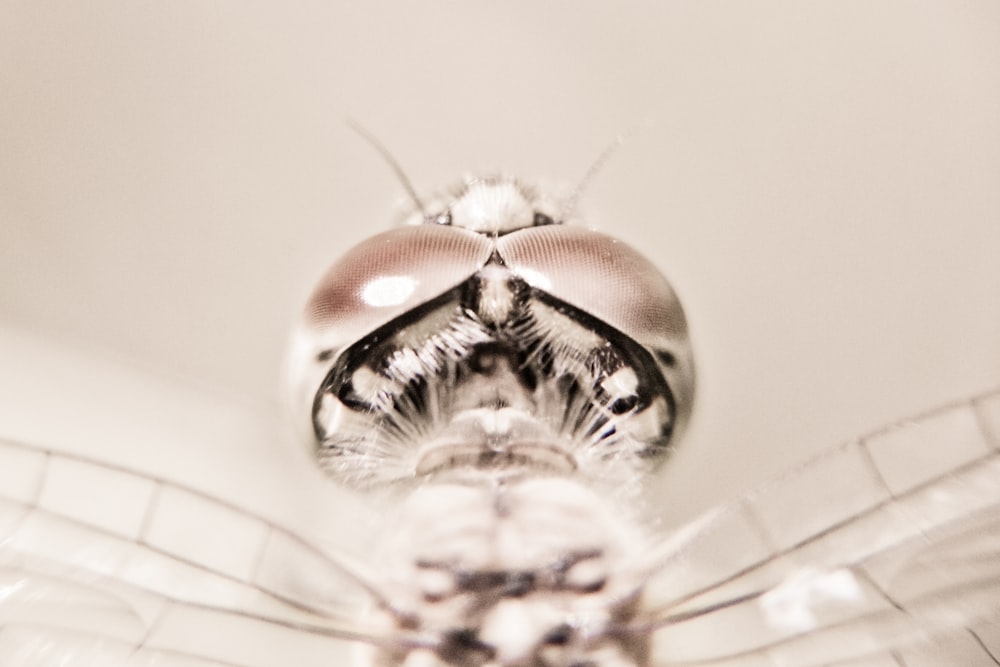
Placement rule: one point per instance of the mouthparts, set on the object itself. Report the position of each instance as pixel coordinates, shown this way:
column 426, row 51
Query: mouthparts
column 496, row 438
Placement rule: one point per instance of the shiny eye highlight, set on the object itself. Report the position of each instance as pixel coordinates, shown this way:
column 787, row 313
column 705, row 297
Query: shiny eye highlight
column 388, row 291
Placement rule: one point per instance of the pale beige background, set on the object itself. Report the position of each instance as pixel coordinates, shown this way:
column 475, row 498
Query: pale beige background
column 819, row 179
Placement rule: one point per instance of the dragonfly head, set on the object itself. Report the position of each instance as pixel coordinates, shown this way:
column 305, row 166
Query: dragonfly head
column 574, row 341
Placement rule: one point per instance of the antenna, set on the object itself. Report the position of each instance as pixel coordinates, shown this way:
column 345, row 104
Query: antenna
column 390, row 160
column 595, row 167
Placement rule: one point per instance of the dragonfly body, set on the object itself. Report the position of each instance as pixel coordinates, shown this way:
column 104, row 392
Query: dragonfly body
column 499, row 386
column 505, row 572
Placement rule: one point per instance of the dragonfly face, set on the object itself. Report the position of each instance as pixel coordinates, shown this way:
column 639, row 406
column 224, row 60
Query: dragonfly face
column 495, row 338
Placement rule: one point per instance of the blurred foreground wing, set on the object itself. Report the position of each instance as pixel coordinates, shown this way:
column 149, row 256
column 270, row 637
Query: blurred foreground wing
column 104, row 566
column 884, row 551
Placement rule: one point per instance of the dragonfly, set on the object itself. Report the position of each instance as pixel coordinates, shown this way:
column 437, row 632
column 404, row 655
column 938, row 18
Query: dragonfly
column 499, row 386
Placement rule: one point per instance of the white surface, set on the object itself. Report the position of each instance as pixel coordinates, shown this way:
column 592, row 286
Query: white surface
column 818, row 180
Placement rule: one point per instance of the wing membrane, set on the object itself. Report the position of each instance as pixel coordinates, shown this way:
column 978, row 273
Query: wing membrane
column 864, row 553
column 111, row 566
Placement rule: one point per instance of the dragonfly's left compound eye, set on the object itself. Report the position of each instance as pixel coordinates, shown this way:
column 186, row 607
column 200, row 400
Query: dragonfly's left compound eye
column 389, row 275
column 371, row 285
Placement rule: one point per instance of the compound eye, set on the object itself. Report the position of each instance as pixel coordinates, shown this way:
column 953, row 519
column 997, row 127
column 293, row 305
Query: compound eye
column 390, row 274
column 599, row 275
column 614, row 283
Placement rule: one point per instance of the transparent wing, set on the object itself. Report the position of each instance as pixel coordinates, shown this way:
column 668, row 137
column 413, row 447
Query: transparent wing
column 884, row 551
column 100, row 565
